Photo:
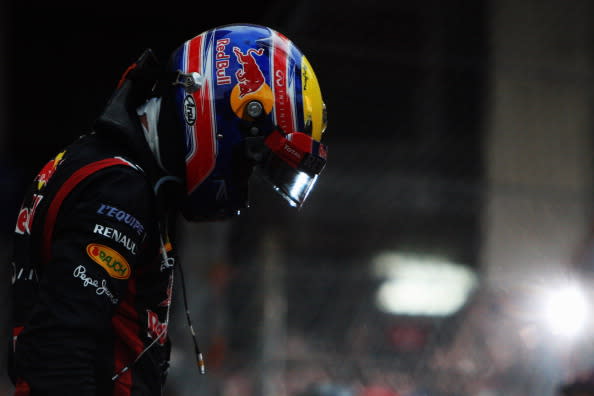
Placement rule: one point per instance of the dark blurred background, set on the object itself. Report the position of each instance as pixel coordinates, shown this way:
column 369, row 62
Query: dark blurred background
column 460, row 137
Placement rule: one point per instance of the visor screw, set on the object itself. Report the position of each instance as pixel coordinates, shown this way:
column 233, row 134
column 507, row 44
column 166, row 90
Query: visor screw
column 254, row 109
column 254, row 131
column 219, row 136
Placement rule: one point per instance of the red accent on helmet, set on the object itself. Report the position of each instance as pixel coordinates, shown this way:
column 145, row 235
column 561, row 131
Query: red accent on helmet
column 291, row 148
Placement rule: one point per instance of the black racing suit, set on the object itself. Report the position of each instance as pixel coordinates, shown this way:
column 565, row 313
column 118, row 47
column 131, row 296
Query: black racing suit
column 91, row 285
column 93, row 262
column 88, row 301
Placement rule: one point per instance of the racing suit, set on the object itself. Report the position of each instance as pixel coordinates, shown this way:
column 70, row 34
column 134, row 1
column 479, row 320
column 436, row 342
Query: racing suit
column 91, row 282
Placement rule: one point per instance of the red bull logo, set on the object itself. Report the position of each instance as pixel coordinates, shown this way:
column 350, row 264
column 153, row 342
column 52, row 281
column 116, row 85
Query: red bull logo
column 156, row 328
column 222, row 62
column 48, row 171
column 26, row 215
column 250, row 76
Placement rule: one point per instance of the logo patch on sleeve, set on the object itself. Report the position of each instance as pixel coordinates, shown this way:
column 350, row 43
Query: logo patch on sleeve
column 113, row 262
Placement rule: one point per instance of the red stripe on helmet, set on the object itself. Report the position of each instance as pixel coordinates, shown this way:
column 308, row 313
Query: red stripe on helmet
column 202, row 161
column 283, row 102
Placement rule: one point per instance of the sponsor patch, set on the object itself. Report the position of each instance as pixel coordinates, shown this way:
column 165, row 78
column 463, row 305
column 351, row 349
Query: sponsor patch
column 26, row 215
column 190, row 110
column 222, row 62
column 117, row 236
column 113, row 262
column 156, row 328
column 250, row 77
column 48, row 171
column 122, row 217
column 80, row 272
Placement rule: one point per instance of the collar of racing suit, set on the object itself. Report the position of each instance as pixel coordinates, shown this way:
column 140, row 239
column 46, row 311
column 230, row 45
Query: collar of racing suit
column 148, row 114
column 121, row 122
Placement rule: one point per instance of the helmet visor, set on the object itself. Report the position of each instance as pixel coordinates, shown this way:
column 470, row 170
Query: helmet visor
column 292, row 184
column 293, row 166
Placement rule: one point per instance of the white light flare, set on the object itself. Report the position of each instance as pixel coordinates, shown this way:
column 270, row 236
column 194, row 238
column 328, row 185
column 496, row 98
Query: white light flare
column 565, row 311
column 422, row 285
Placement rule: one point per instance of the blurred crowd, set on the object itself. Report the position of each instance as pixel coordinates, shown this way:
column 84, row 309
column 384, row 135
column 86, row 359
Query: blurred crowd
column 494, row 347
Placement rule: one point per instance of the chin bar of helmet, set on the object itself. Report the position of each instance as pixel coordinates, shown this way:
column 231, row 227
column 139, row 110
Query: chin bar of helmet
column 294, row 162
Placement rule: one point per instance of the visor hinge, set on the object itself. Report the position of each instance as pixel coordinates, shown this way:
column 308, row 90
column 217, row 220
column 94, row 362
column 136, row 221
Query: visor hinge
column 191, row 82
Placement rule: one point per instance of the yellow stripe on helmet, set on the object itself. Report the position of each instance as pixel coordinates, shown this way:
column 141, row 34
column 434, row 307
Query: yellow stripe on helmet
column 313, row 105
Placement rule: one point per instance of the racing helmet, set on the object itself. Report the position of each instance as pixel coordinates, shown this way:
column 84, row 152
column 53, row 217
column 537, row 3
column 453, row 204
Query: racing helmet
column 247, row 101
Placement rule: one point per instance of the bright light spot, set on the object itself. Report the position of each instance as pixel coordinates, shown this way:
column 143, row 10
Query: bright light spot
column 566, row 311
column 422, row 285
column 300, row 185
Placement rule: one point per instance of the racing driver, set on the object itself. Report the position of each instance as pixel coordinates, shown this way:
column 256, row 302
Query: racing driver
column 94, row 257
